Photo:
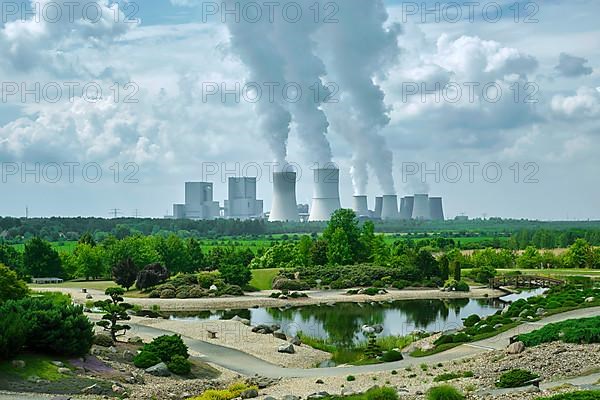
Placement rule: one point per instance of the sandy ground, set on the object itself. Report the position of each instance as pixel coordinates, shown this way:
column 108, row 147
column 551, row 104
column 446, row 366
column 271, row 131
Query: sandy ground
column 238, row 336
column 262, row 299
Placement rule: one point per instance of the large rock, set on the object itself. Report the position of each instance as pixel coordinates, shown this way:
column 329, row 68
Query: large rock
column 318, row 395
column 249, row 394
column 590, row 299
column 515, row 348
column 64, row 371
column 262, row 328
column 280, row 335
column 128, row 355
column 378, row 328
column 296, row 341
column 159, row 370
column 20, row 364
column 290, row 397
column 287, row 348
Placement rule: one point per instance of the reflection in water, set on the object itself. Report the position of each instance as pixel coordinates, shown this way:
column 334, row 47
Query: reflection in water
column 341, row 322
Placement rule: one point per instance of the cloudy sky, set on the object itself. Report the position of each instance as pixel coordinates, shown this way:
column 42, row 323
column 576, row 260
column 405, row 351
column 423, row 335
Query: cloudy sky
column 495, row 107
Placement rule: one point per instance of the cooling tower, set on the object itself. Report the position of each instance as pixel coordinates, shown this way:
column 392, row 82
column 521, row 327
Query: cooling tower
column 421, row 207
column 284, row 206
column 389, row 210
column 436, row 210
column 378, row 206
column 360, row 206
column 406, row 207
column 326, row 198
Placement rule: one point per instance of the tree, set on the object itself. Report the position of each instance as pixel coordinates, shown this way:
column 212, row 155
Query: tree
column 11, row 258
column 174, row 254
column 151, row 275
column 125, row 273
column 427, row 264
column 90, row 261
column 339, row 251
column 41, row 260
column 197, row 258
column 115, row 310
column 580, row 255
column 235, row 274
column 444, row 266
column 456, row 270
column 530, row 259
column 345, row 220
column 87, row 238
column 11, row 287
column 318, row 252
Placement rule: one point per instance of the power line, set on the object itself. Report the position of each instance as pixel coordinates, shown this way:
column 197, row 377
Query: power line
column 114, row 212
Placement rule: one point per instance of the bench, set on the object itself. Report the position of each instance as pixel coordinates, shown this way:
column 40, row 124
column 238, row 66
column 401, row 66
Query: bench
column 211, row 334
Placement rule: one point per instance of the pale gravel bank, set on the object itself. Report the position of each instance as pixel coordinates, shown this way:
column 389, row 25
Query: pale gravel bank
column 262, row 299
column 238, row 336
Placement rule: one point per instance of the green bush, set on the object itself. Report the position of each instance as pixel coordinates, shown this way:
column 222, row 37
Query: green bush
column 584, row 330
column 146, row 359
column 167, row 346
column 197, row 292
column 103, row 340
column 444, row 392
column 446, row 377
column 461, row 337
column 350, row 378
column 515, row 378
column 179, row 365
column 401, row 284
column 444, row 339
column 583, row 395
column 471, row 320
column 11, row 287
column 381, row 393
column 155, row 294
column 290, row 284
column 167, row 294
column 13, row 330
column 391, row 356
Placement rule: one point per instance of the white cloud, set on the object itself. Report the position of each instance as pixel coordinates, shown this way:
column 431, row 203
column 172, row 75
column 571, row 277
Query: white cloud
column 584, row 104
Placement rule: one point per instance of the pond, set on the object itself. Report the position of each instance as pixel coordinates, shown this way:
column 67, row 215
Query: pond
column 341, row 323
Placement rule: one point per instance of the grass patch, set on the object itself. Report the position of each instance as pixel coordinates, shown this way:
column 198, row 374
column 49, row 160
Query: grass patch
column 263, row 278
column 584, row 330
column 35, row 365
column 78, row 284
column 580, row 395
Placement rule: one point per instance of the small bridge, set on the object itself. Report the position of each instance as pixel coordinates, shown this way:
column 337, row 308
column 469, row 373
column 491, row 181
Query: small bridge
column 527, row 281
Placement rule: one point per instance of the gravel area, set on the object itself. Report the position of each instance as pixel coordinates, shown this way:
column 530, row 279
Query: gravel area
column 236, row 335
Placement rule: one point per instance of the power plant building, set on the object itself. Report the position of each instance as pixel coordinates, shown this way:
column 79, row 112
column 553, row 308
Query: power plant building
column 199, row 202
column 284, row 207
column 326, row 196
column 242, row 203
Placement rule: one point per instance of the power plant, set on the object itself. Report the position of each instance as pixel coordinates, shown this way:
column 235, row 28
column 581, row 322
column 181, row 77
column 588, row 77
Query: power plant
column 360, row 206
column 284, row 206
column 242, row 202
column 326, row 195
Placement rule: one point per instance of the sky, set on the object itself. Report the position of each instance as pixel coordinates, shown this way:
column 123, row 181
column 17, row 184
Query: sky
column 494, row 106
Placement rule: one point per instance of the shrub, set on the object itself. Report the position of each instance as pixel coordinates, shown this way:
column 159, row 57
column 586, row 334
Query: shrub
column 515, row 378
column 350, row 378
column 166, row 347
column 391, row 356
column 458, row 286
column 179, row 365
column 207, row 279
column 471, row 320
column 167, row 294
column 290, row 284
column 446, row 377
column 155, row 294
column 582, row 395
column 231, row 392
column 146, row 359
column 444, row 392
column 444, row 339
column 11, row 287
column 13, row 330
column 232, row 290
column 401, row 284
column 381, row 393
column 584, row 330
column 103, row 340
column 182, row 294
column 197, row 292
column 461, row 337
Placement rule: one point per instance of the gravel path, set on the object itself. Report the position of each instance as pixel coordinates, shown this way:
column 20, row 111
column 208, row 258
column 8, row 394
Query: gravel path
column 246, row 364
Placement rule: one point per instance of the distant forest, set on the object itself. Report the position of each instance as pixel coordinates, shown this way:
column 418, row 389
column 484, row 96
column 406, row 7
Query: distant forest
column 493, row 232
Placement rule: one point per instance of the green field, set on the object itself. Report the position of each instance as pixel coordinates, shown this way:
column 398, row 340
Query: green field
column 263, row 278
column 66, row 247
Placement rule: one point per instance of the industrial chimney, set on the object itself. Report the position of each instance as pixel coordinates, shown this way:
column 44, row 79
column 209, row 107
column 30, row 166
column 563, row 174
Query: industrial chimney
column 389, row 209
column 284, row 197
column 326, row 197
column 436, row 210
column 406, row 207
column 421, row 207
column 360, row 206
column 378, row 206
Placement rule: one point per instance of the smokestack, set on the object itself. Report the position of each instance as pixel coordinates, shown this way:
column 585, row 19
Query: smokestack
column 326, row 198
column 406, row 207
column 360, row 206
column 436, row 210
column 421, row 207
column 284, row 198
column 378, row 206
column 389, row 209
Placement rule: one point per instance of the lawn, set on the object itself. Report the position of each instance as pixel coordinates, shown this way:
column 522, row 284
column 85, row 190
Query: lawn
column 38, row 365
column 263, row 278
column 78, row 284
column 61, row 247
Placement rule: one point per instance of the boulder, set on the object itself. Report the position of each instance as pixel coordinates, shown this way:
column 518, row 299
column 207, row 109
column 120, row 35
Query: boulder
column 64, row 371
column 57, row 363
column 590, row 299
column 249, row 394
column 540, row 311
column 89, row 296
column 120, row 390
column 296, row 341
column 135, row 340
column 159, row 369
column 280, row 335
column 515, row 348
column 319, row 382
column 128, row 355
column 505, row 309
column 378, row 328
column 290, row 397
column 245, row 321
column 498, row 326
column 318, row 395
column 92, row 390
column 287, row 348
column 236, row 318
column 213, row 288
column 262, row 328
column 20, row 364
